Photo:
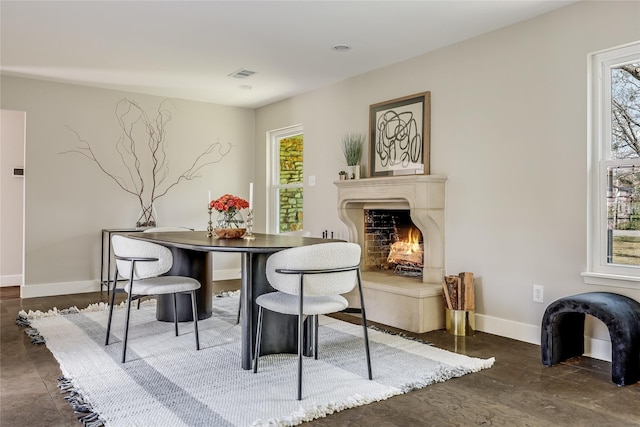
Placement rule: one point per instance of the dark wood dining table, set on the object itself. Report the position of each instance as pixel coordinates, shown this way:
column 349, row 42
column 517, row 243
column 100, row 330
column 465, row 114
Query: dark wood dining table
column 192, row 251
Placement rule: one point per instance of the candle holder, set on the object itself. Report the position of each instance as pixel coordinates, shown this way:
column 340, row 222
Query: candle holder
column 249, row 234
column 210, row 227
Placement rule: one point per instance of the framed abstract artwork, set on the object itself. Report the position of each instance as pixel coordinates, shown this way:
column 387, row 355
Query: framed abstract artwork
column 399, row 136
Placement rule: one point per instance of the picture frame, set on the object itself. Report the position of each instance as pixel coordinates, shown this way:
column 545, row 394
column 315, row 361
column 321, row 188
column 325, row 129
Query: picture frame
column 399, row 136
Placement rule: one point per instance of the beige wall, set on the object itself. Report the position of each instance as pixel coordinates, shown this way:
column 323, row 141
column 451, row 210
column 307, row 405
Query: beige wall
column 509, row 129
column 68, row 201
column 12, row 127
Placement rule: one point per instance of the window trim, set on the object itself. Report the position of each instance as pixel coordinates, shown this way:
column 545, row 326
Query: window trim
column 273, row 178
column 599, row 272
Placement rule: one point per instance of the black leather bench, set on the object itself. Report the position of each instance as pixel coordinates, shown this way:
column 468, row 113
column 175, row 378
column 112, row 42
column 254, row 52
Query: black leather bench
column 563, row 331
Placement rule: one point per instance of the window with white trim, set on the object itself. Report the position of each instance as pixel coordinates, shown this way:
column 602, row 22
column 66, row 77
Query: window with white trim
column 614, row 168
column 286, row 180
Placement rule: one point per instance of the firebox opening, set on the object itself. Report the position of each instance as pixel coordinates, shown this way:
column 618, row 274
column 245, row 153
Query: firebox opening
column 392, row 242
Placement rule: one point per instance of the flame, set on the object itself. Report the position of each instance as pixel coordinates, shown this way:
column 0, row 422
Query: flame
column 409, row 246
column 413, row 239
column 404, row 249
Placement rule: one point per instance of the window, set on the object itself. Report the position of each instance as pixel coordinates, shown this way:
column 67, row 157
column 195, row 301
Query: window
column 286, row 177
column 614, row 169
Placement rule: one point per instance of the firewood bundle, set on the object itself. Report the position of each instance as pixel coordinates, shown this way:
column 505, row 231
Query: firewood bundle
column 458, row 292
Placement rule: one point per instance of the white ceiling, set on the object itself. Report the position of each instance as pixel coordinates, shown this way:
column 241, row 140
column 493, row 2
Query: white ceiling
column 187, row 49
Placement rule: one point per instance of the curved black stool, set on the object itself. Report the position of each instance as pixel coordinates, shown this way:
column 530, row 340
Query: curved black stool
column 563, row 331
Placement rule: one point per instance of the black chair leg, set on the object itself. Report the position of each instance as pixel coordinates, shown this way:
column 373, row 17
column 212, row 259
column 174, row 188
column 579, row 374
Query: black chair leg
column 113, row 298
column 175, row 313
column 194, row 307
column 300, row 346
column 364, row 326
column 126, row 327
column 300, row 333
column 315, row 336
column 256, row 355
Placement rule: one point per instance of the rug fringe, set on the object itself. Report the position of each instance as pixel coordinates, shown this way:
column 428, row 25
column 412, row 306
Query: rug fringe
column 400, row 334
column 24, row 316
column 303, row 415
column 225, row 294
column 87, row 416
column 443, row 375
column 100, row 306
column 35, row 336
column 22, row 320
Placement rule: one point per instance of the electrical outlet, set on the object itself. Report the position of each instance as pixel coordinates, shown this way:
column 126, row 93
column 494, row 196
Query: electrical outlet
column 312, row 180
column 538, row 293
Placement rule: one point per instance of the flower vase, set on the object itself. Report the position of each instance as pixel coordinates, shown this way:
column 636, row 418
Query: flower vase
column 353, row 172
column 147, row 217
column 230, row 225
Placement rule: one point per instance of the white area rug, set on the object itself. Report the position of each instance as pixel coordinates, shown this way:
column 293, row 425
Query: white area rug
column 166, row 382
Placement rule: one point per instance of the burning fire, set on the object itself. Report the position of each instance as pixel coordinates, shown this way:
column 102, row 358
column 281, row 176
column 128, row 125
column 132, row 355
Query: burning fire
column 408, row 251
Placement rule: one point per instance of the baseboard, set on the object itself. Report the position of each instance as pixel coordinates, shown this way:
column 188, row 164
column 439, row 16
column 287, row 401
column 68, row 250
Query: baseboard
column 11, row 280
column 229, row 274
column 594, row 347
column 63, row 288
column 597, row 348
column 508, row 328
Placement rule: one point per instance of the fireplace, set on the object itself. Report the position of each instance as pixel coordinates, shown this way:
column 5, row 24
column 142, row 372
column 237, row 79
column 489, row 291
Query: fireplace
column 411, row 301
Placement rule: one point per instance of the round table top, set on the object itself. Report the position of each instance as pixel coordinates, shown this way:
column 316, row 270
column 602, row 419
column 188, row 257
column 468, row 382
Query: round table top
column 199, row 241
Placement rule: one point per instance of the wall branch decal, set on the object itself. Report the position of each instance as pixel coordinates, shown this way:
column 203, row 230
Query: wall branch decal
column 145, row 172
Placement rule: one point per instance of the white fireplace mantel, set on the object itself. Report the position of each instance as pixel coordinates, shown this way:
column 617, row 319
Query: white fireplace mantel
column 394, row 300
column 422, row 195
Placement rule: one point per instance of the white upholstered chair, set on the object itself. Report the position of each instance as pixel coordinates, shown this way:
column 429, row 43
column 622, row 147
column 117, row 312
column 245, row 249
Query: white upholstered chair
column 160, row 230
column 299, row 233
column 142, row 265
column 308, row 281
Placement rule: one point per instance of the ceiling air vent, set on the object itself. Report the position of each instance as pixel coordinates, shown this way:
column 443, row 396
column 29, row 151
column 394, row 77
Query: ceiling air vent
column 242, row 73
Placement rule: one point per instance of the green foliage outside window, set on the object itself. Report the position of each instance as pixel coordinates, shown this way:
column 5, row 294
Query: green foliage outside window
column 291, row 173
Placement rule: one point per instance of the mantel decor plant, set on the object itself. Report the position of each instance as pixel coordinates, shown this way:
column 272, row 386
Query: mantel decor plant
column 352, row 147
column 141, row 147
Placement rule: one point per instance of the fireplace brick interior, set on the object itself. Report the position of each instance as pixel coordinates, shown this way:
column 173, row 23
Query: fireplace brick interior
column 382, row 228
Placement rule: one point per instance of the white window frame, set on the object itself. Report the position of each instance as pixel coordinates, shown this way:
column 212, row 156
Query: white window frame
column 599, row 271
column 273, row 174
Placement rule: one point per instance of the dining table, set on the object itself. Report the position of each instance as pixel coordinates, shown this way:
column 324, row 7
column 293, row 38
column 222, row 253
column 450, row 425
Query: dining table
column 192, row 257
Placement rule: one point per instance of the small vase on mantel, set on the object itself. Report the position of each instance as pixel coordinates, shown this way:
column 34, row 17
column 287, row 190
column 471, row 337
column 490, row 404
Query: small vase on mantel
column 353, row 172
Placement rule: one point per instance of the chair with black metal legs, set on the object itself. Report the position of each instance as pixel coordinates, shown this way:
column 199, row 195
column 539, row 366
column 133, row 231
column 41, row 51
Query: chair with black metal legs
column 309, row 281
column 142, row 264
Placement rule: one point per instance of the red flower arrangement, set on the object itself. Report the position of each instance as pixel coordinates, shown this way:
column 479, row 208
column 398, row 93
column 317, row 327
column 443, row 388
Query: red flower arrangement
column 228, row 203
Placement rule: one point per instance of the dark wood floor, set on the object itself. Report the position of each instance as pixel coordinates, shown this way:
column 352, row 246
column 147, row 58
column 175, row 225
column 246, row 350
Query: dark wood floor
column 517, row 391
